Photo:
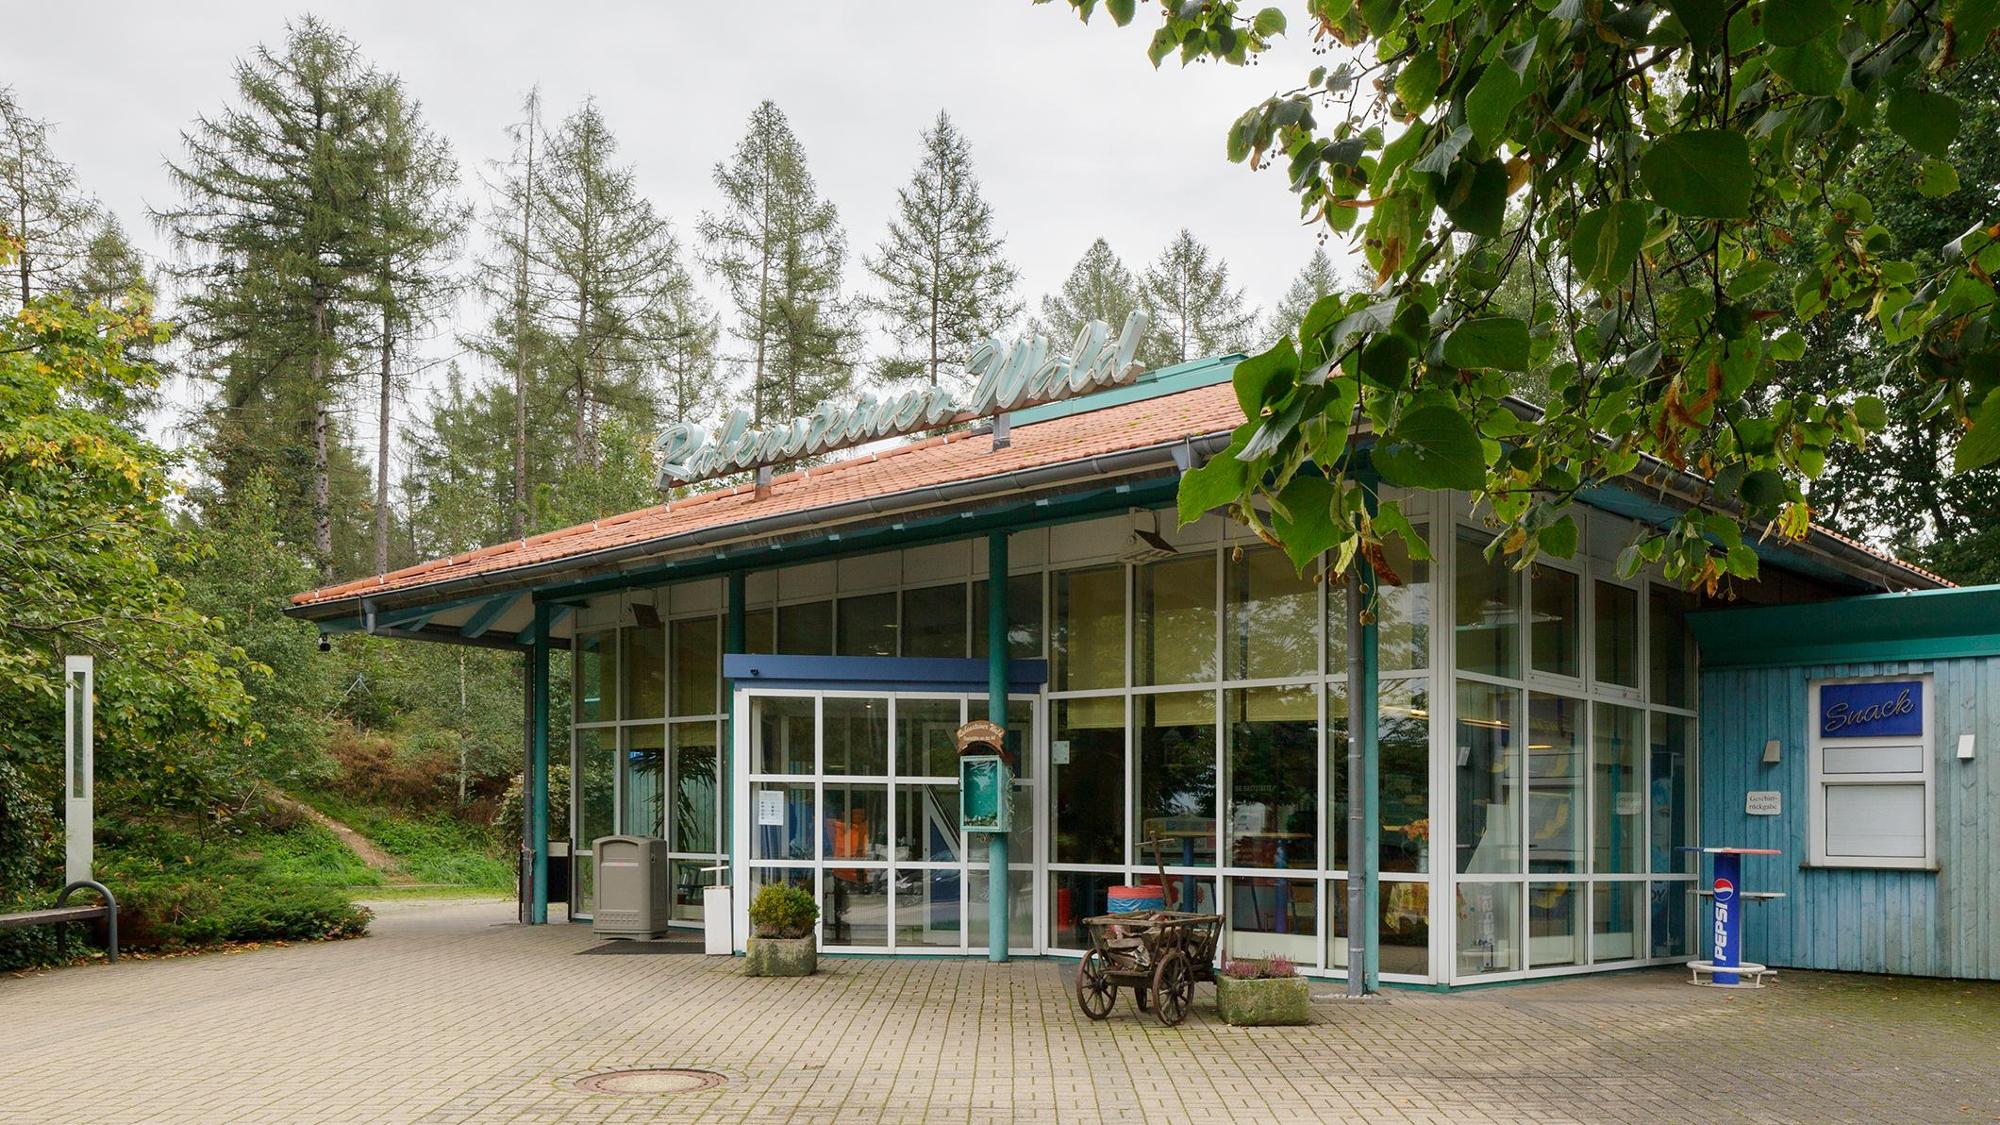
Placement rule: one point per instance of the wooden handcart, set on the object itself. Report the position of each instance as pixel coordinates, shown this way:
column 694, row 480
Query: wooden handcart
column 1159, row 954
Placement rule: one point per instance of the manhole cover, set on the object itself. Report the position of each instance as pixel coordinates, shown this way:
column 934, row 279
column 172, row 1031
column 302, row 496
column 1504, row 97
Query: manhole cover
column 654, row 1081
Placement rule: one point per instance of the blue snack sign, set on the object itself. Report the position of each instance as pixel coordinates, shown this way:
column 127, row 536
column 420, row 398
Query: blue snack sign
column 1877, row 709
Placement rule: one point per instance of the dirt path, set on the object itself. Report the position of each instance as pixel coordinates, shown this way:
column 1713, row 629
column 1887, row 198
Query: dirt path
column 357, row 843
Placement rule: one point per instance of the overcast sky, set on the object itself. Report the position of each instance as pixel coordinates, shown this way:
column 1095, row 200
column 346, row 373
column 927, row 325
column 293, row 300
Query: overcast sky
column 1073, row 133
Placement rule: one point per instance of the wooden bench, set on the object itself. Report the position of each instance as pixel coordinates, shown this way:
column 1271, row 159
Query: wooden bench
column 61, row 912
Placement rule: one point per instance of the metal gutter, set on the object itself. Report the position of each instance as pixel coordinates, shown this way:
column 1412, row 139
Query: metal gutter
column 1163, row 455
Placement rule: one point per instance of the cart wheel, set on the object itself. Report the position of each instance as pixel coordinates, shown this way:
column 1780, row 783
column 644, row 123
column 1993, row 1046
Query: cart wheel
column 1095, row 993
column 1173, row 988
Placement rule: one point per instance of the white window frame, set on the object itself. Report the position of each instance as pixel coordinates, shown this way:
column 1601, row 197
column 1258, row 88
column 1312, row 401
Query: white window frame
column 1819, row 782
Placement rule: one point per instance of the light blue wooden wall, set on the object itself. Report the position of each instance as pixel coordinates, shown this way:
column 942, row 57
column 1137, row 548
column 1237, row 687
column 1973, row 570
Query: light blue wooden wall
column 1942, row 923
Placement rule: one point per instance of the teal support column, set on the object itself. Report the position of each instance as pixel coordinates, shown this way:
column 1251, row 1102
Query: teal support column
column 537, row 783
column 1366, row 726
column 997, row 938
column 734, row 637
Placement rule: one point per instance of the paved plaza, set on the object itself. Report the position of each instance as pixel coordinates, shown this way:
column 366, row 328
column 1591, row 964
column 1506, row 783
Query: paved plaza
column 448, row 1013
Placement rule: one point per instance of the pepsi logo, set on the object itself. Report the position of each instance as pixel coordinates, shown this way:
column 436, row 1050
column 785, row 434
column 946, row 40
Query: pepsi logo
column 1724, row 890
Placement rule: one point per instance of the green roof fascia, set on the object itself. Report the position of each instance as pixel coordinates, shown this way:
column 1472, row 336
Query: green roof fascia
column 1153, row 384
column 1041, row 512
column 1913, row 625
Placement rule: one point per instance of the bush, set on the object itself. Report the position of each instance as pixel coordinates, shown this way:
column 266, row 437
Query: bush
column 298, row 912
column 781, row 910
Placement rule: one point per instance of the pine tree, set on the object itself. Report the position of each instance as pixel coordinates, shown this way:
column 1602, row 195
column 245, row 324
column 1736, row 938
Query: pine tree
column 682, row 333
column 275, row 229
column 604, row 262
column 1315, row 280
column 416, row 226
column 1099, row 287
column 507, row 278
column 779, row 251
column 947, row 284
column 1194, row 311
column 41, row 205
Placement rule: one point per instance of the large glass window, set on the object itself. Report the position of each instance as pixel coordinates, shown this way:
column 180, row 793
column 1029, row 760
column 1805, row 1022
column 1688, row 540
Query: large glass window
column 1404, row 740
column 1617, row 635
column 1024, row 618
column 1556, row 814
column 696, row 669
column 1173, row 621
column 1489, row 779
column 1672, row 795
column 1177, row 774
column 934, row 621
column 1089, row 631
column 1615, row 921
column 806, row 629
column 1618, row 794
column 645, row 764
column 925, row 732
column 1672, row 647
column 1489, row 928
column 645, row 693
column 1087, row 775
column 856, row 736
column 1402, row 612
column 1272, row 615
column 1487, row 610
column 1555, row 924
column 782, row 733
column 596, row 786
column 596, row 677
column 695, row 805
column 1555, row 632
column 760, row 631
column 867, row 625
column 1273, row 777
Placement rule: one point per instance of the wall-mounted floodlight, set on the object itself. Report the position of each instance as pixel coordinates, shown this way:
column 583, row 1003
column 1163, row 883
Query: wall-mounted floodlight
column 1771, row 752
column 325, row 643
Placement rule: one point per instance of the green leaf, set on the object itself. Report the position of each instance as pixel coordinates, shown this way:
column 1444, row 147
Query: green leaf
column 1607, row 241
column 1751, row 278
column 1871, row 412
column 1789, row 346
column 1121, row 10
column 1788, row 23
column 1764, row 488
column 1980, row 446
column 1741, row 561
column 1816, row 68
column 1269, row 22
column 1216, row 484
column 1417, row 84
column 1974, row 20
column 1937, row 178
column 1304, row 521
column 1433, row 446
column 1703, row 20
column 1495, row 341
column 1475, row 198
column 1390, row 521
column 1928, row 121
column 1559, row 538
column 1264, row 377
column 1489, row 107
column 1704, row 173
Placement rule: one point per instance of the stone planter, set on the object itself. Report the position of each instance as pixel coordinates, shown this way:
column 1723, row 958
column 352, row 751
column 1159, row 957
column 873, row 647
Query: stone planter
column 782, row 957
column 1276, row 1002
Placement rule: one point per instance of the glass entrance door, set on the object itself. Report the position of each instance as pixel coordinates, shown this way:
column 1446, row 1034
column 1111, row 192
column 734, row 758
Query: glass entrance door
column 853, row 796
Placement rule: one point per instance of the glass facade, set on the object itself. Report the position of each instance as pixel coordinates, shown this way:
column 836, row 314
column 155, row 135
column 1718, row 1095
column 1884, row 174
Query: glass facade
column 1535, row 749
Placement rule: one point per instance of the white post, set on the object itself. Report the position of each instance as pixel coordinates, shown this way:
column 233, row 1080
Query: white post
column 79, row 766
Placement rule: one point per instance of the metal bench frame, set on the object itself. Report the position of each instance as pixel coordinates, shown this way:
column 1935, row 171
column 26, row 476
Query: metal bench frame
column 62, row 912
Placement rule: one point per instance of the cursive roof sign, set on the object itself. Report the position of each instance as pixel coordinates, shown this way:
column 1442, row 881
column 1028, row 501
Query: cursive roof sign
column 1004, row 377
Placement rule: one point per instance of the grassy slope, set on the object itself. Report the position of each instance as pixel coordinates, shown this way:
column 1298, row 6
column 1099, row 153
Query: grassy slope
column 436, row 850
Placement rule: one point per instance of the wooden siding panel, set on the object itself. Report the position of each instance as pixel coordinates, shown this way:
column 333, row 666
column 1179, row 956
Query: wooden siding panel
column 1942, row 923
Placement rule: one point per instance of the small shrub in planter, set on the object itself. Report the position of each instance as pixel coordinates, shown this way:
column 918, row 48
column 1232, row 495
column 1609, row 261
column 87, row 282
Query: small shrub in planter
column 781, row 933
column 1262, row 992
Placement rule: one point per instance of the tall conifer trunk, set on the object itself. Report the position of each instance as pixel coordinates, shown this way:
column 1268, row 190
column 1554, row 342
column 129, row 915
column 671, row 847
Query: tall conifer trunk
column 383, row 425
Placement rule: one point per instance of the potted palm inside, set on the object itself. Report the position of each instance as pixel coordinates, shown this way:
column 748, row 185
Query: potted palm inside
column 781, row 933
column 1262, row 992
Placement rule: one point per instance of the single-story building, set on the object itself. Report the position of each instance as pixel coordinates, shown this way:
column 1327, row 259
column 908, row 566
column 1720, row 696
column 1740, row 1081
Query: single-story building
column 768, row 676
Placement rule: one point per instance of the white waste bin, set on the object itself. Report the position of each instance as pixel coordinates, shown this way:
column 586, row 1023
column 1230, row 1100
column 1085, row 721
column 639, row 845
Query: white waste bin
column 718, row 918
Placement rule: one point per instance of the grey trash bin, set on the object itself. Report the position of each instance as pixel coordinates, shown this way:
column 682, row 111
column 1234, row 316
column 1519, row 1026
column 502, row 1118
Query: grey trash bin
column 634, row 897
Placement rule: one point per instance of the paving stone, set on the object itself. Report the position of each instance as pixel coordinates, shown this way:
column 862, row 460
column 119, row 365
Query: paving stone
column 446, row 1015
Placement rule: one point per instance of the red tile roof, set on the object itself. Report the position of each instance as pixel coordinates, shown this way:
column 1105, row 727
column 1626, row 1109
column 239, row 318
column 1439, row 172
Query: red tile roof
column 944, row 459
